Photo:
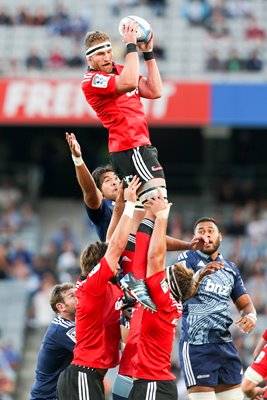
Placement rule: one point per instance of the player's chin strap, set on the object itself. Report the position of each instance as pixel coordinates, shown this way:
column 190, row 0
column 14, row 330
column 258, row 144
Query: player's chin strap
column 173, row 284
column 152, row 192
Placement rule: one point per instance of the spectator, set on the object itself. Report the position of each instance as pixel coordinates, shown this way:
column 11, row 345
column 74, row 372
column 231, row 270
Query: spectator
column 216, row 26
column 23, row 16
column 213, row 62
column 254, row 62
column 254, row 31
column 75, row 60
column 63, row 234
column 233, row 63
column 9, row 193
column 41, row 312
column 55, row 60
column 40, row 18
column 158, row 7
column 196, row 11
column 34, row 61
column 5, row 18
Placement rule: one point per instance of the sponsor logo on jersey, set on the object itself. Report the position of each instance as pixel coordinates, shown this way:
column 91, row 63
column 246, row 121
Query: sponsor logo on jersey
column 217, row 288
column 100, row 81
column 203, row 376
column 156, row 168
column 164, row 286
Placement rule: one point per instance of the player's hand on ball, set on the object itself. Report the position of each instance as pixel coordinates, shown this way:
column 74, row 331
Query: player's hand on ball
column 145, row 47
column 129, row 32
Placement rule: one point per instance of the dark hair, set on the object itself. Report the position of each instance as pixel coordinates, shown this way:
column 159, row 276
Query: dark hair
column 56, row 295
column 204, row 219
column 91, row 256
column 98, row 172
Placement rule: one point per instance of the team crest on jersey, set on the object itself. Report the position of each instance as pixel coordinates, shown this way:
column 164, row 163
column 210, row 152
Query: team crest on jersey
column 164, row 286
column 100, row 81
column 72, row 334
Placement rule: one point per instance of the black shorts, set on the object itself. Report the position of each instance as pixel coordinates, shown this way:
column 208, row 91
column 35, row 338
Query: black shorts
column 80, row 383
column 141, row 161
column 157, row 390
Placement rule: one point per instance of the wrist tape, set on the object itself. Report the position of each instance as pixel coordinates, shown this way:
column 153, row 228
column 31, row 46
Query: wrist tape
column 77, row 160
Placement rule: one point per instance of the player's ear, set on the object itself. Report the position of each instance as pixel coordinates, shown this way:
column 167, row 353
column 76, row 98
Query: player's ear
column 60, row 307
column 220, row 237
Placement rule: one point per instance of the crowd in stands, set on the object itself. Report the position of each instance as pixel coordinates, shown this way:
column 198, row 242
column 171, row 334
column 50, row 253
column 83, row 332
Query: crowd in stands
column 244, row 229
column 218, row 18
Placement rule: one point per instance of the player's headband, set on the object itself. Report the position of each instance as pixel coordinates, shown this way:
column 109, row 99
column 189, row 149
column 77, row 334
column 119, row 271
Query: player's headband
column 173, row 284
column 100, row 46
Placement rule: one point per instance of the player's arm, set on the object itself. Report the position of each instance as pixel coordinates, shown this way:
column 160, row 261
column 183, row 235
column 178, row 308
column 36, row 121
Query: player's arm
column 150, row 87
column 117, row 212
column 248, row 313
column 157, row 246
column 262, row 342
column 249, row 385
column 179, row 245
column 92, row 196
column 119, row 237
column 129, row 76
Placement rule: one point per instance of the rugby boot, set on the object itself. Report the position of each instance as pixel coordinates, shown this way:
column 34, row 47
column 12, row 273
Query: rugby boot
column 139, row 290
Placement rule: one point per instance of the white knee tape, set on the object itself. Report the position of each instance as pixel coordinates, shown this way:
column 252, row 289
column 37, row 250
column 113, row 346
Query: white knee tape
column 233, row 394
column 202, row 396
column 151, row 192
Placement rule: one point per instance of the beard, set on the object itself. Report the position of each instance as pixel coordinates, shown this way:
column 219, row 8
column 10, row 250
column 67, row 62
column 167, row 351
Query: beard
column 114, row 279
column 213, row 248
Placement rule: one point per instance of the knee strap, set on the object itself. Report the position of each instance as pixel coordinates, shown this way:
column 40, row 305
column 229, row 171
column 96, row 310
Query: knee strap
column 151, row 192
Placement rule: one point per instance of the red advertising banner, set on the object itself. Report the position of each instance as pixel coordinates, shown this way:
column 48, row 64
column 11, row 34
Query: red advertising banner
column 31, row 101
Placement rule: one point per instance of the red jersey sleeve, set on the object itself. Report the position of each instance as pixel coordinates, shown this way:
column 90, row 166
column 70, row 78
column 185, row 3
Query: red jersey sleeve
column 264, row 336
column 159, row 289
column 97, row 279
column 260, row 364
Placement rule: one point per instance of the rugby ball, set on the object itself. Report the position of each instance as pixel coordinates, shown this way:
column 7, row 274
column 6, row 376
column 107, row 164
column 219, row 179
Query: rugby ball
column 143, row 30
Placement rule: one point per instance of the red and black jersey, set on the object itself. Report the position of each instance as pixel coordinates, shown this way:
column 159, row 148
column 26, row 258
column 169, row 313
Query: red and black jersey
column 122, row 114
column 92, row 318
column 260, row 364
column 130, row 349
column 153, row 358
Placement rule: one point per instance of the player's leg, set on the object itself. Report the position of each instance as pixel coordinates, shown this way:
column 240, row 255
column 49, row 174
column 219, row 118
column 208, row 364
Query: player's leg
column 230, row 374
column 199, row 365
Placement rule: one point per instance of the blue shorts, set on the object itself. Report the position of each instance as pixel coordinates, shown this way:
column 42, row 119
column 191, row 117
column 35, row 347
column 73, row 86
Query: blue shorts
column 210, row 364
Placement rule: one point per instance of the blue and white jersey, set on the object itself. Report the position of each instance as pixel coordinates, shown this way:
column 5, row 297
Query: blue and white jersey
column 206, row 315
column 56, row 353
column 101, row 217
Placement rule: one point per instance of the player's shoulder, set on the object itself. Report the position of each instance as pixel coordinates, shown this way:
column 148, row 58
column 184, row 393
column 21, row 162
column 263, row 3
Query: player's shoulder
column 188, row 255
column 61, row 324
